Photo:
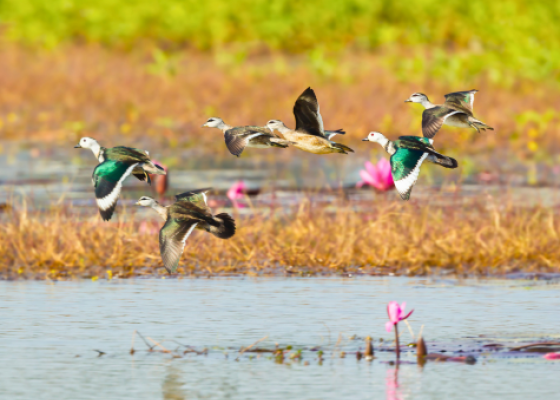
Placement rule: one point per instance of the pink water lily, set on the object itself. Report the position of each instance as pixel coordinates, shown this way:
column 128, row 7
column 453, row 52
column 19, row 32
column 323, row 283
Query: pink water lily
column 378, row 176
column 396, row 314
column 237, row 192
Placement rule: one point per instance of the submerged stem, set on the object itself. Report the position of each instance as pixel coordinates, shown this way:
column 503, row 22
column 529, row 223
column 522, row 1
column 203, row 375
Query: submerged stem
column 397, row 348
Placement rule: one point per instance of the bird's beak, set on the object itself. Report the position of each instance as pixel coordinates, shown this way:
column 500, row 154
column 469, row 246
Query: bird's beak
column 365, row 140
column 408, row 101
column 205, row 125
column 77, row 146
column 137, row 203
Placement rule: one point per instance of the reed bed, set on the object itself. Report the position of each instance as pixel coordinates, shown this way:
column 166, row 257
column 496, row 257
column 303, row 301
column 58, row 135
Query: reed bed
column 347, row 237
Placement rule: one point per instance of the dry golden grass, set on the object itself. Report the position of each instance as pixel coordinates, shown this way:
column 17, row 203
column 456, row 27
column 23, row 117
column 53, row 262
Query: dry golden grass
column 388, row 236
column 121, row 97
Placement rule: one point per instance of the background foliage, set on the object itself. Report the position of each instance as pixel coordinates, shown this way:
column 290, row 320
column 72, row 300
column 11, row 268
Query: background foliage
column 501, row 38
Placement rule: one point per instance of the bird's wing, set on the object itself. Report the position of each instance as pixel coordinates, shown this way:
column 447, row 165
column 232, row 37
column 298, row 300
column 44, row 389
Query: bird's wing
column 461, row 101
column 433, row 119
column 127, row 154
column 107, row 180
column 144, row 177
column 308, row 117
column 405, row 168
column 172, row 238
column 416, row 140
column 237, row 138
column 197, row 197
column 330, row 134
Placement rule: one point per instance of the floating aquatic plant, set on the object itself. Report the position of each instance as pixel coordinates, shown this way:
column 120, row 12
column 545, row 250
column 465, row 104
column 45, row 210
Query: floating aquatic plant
column 396, row 314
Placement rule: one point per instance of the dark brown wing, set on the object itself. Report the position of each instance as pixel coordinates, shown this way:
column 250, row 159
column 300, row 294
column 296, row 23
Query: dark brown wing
column 461, row 101
column 308, row 117
column 433, row 119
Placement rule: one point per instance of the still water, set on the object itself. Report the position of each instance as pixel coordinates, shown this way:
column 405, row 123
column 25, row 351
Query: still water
column 49, row 334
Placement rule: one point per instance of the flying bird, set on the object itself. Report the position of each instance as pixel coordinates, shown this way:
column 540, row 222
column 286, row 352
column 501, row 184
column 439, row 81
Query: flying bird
column 237, row 138
column 189, row 212
column 456, row 111
column 309, row 134
column 407, row 155
column 115, row 164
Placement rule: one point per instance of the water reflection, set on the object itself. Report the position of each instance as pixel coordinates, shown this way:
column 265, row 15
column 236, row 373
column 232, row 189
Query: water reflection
column 172, row 386
column 392, row 384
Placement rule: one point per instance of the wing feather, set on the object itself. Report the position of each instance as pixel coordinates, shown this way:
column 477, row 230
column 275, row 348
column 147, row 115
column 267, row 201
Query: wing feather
column 306, row 112
column 235, row 142
column 197, row 197
column 461, row 101
column 433, row 119
column 107, row 179
column 405, row 168
column 172, row 238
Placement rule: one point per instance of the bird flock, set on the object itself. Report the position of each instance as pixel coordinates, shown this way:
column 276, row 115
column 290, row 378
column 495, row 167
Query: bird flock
column 190, row 210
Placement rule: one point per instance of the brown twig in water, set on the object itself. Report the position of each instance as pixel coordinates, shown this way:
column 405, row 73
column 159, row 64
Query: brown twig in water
column 336, row 344
column 397, row 346
column 191, row 349
column 535, row 345
column 159, row 345
column 150, row 348
column 132, row 351
column 248, row 347
column 409, row 329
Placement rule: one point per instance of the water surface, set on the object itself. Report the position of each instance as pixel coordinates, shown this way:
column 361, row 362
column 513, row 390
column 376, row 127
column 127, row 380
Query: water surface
column 49, row 333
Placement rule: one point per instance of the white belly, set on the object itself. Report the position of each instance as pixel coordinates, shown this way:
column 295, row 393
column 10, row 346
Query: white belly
column 458, row 121
column 258, row 145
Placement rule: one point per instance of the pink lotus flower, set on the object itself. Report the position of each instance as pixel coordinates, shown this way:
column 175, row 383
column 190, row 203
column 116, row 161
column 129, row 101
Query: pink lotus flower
column 552, row 356
column 237, row 192
column 379, row 176
column 396, row 314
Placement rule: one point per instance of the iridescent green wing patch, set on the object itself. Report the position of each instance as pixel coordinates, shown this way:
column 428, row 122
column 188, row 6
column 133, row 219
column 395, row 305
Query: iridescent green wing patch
column 424, row 141
column 403, row 162
column 405, row 168
column 107, row 180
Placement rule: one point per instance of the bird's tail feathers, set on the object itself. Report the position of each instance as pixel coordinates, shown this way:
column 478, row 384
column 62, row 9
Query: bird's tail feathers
column 225, row 226
column 444, row 161
column 344, row 149
column 153, row 169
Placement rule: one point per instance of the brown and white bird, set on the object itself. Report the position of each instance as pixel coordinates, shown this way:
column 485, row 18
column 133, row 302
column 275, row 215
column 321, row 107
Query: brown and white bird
column 309, row 134
column 237, row 138
column 457, row 111
column 189, row 212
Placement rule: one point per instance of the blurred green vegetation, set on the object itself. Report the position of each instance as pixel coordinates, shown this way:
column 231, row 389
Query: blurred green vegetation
column 503, row 39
